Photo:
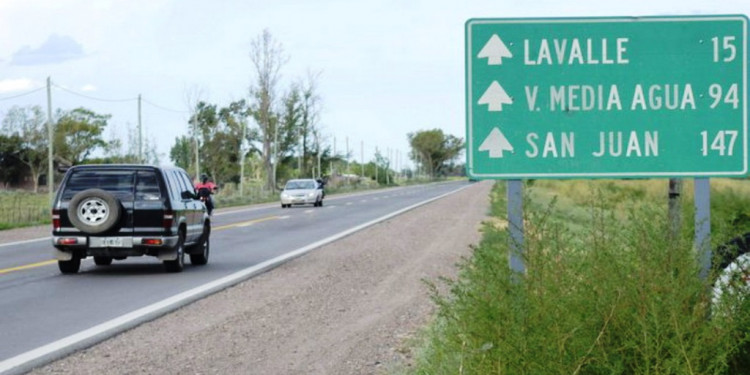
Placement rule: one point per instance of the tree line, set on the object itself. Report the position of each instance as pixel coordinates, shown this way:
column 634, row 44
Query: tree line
column 276, row 135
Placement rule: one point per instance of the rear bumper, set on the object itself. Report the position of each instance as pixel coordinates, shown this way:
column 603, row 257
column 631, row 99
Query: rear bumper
column 294, row 200
column 66, row 246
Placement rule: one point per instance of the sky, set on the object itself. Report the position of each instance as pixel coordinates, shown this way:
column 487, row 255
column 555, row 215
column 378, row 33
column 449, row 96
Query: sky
column 386, row 68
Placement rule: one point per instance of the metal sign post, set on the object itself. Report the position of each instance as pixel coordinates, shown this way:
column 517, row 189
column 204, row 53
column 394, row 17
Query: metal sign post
column 515, row 224
column 702, row 241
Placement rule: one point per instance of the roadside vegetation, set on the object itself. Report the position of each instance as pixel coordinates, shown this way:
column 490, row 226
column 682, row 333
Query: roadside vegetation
column 607, row 290
column 23, row 208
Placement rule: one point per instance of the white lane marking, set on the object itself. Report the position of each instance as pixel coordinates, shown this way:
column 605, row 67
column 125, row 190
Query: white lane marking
column 348, row 203
column 309, row 211
column 284, row 217
column 26, row 241
column 88, row 337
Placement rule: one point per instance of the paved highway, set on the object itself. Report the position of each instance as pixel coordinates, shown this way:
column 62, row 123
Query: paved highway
column 44, row 314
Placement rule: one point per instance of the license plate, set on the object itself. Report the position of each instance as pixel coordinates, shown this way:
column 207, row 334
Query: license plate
column 111, row 242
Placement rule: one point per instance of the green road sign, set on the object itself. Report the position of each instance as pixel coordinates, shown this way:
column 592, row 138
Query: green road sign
column 607, row 97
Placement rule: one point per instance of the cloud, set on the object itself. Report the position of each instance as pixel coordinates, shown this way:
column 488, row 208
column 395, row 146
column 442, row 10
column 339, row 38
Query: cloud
column 88, row 87
column 15, row 85
column 56, row 49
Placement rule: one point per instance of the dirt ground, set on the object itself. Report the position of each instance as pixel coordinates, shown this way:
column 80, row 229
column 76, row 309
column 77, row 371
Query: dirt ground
column 349, row 307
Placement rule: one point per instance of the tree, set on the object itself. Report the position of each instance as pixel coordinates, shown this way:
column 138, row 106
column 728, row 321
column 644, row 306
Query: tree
column 113, row 150
column 309, row 113
column 78, row 134
column 206, row 120
column 11, row 166
column 181, row 153
column 28, row 125
column 267, row 56
column 232, row 120
column 219, row 136
column 433, row 149
column 289, row 125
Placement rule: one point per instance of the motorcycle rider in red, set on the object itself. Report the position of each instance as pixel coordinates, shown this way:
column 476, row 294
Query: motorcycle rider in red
column 204, row 189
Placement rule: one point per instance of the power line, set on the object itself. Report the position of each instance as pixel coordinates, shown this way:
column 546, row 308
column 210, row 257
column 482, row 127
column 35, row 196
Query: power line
column 93, row 98
column 22, row 94
column 162, row 107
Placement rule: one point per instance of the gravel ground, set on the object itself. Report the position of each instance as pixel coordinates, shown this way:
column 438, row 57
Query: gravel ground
column 346, row 308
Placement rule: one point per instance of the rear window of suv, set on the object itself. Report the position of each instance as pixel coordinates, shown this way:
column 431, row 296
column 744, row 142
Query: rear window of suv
column 119, row 183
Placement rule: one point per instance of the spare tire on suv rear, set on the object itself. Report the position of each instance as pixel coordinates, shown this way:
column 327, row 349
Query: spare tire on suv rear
column 94, row 211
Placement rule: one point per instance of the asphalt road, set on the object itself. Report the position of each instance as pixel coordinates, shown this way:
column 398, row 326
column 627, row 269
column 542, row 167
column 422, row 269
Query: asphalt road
column 44, row 314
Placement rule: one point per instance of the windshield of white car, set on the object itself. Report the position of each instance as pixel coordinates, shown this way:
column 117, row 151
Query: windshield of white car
column 299, row 185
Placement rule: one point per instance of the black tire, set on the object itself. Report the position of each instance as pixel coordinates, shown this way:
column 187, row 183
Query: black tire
column 102, row 260
column 94, row 211
column 177, row 265
column 68, row 267
column 200, row 258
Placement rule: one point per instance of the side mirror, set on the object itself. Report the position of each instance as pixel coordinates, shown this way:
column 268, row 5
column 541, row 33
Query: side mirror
column 187, row 194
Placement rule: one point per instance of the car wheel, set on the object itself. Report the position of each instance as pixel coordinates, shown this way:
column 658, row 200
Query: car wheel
column 102, row 261
column 94, row 211
column 178, row 264
column 201, row 258
column 71, row 266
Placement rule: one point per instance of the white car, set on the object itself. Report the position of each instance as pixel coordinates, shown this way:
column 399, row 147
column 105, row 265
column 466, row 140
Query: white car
column 302, row 191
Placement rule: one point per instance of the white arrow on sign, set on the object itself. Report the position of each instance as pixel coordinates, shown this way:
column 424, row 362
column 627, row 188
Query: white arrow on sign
column 496, row 143
column 495, row 97
column 494, row 51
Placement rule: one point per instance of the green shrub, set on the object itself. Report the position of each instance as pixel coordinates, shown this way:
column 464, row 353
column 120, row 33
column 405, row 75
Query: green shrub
column 613, row 296
column 19, row 209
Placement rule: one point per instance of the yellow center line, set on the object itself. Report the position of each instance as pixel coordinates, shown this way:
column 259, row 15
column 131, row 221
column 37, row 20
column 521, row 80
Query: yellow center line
column 246, row 223
column 53, row 261
column 27, row 266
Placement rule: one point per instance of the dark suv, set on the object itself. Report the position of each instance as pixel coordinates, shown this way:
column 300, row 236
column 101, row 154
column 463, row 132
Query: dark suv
column 116, row 211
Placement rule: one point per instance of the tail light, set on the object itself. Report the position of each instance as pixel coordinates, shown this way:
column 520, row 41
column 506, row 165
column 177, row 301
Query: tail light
column 67, row 241
column 168, row 219
column 55, row 220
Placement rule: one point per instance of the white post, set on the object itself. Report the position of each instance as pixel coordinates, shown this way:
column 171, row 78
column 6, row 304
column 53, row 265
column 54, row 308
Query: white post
column 50, row 139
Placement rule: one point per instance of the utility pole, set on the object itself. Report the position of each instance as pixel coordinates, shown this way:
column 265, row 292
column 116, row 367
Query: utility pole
column 362, row 156
column 334, row 154
column 388, row 168
column 377, row 152
column 242, row 155
column 195, row 142
column 317, row 142
column 140, row 133
column 347, row 155
column 299, row 157
column 50, row 139
column 275, row 152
